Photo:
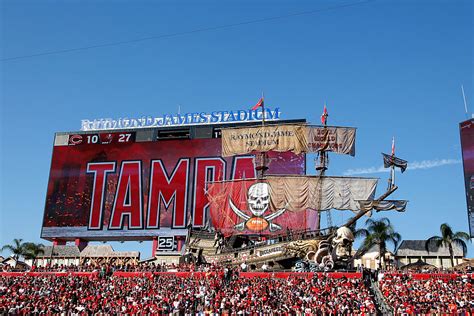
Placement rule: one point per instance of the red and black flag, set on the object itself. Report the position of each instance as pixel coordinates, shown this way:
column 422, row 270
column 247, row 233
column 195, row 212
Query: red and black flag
column 391, row 160
column 259, row 104
column 324, row 116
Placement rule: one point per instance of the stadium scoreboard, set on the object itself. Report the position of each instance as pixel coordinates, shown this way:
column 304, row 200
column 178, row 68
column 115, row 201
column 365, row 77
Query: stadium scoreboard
column 467, row 146
column 137, row 184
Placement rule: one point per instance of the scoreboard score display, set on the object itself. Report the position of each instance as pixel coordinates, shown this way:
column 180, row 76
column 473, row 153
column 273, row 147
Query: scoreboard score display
column 103, row 138
column 140, row 184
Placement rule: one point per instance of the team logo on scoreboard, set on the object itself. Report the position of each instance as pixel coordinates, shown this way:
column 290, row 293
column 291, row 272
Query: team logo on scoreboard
column 258, row 202
column 106, row 138
column 75, row 139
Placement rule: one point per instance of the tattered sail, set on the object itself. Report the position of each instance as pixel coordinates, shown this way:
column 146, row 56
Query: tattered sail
column 292, row 137
column 238, row 141
column 277, row 203
column 336, row 139
column 389, row 161
column 384, row 205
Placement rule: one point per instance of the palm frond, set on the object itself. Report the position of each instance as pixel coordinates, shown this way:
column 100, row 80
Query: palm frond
column 369, row 222
column 362, row 232
column 446, row 231
column 369, row 241
column 461, row 244
column 462, row 235
column 431, row 241
column 395, row 239
column 8, row 247
column 385, row 220
column 32, row 250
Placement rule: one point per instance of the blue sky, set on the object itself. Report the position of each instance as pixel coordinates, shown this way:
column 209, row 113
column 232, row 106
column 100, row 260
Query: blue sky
column 389, row 68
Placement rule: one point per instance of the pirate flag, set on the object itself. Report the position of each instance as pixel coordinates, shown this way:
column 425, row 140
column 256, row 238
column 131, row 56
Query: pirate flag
column 391, row 160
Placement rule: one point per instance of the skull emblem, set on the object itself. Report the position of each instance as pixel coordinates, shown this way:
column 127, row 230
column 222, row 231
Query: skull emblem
column 342, row 243
column 258, row 198
column 258, row 201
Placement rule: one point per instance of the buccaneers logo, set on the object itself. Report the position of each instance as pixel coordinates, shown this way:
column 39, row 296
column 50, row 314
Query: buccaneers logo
column 258, row 202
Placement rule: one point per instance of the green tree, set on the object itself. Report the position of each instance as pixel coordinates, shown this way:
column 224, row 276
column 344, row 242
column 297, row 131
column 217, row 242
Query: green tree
column 378, row 232
column 17, row 248
column 32, row 251
column 447, row 239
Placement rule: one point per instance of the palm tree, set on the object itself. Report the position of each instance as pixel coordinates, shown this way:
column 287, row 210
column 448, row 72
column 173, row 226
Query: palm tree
column 32, row 251
column 378, row 232
column 447, row 239
column 17, row 248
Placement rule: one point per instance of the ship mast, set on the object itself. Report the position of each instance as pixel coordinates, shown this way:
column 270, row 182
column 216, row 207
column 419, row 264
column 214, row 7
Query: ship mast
column 391, row 180
column 322, row 167
column 261, row 157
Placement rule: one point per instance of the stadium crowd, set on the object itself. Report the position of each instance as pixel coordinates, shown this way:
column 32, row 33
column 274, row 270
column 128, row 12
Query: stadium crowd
column 223, row 291
column 227, row 294
column 110, row 268
column 433, row 296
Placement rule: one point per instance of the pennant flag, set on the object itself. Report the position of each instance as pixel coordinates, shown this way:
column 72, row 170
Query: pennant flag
column 391, row 160
column 259, row 104
column 393, row 146
column 324, row 116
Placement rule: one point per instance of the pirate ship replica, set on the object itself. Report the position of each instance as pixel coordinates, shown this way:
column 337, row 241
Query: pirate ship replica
column 276, row 219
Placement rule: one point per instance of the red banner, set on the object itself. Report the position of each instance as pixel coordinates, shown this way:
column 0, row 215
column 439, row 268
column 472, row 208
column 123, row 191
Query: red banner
column 309, row 275
column 426, row 276
column 177, row 274
column 246, row 207
column 279, row 275
column 57, row 274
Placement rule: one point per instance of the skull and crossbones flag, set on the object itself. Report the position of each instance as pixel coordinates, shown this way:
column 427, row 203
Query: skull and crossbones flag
column 246, row 207
column 391, row 160
column 278, row 203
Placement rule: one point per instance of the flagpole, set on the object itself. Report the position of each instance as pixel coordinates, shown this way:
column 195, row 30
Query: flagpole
column 393, row 175
column 262, row 155
column 465, row 103
column 392, row 171
column 393, row 166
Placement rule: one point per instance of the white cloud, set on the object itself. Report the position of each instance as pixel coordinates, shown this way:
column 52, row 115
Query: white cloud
column 424, row 164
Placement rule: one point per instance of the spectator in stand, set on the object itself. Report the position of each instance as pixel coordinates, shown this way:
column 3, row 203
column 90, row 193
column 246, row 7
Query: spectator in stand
column 244, row 266
column 440, row 296
column 184, row 296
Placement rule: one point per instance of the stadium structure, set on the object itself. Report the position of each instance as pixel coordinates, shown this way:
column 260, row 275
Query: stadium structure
column 222, row 192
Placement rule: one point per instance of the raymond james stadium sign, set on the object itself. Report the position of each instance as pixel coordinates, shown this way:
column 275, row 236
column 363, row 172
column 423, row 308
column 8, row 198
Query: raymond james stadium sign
column 192, row 118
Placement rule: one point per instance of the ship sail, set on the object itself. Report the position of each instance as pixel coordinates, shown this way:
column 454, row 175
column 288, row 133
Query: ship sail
column 384, row 205
column 276, row 203
column 290, row 137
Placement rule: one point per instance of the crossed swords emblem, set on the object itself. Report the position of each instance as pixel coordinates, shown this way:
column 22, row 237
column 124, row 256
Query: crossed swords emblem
column 246, row 218
column 258, row 202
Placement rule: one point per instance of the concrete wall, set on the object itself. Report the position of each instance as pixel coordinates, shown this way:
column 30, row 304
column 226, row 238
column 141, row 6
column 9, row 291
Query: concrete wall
column 439, row 262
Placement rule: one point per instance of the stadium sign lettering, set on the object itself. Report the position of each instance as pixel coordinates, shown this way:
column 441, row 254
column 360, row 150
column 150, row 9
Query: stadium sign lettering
column 166, row 192
column 192, row 118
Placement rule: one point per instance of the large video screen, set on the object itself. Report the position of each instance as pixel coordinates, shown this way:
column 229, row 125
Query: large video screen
column 110, row 187
column 467, row 145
